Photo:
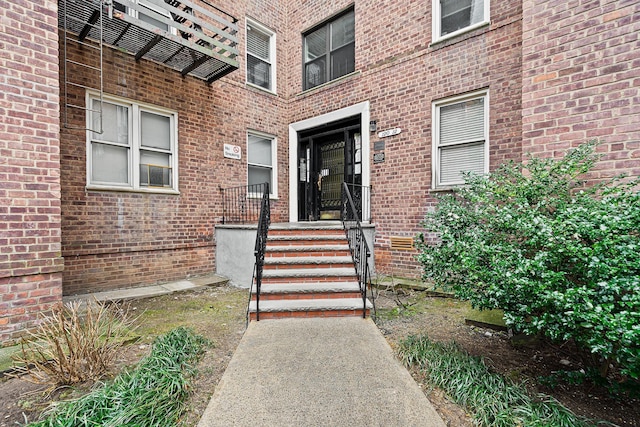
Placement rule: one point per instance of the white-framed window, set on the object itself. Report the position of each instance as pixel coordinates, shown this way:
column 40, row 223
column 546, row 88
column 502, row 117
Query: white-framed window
column 137, row 148
column 329, row 50
column 460, row 132
column 452, row 17
column 149, row 14
column 261, row 56
column 262, row 161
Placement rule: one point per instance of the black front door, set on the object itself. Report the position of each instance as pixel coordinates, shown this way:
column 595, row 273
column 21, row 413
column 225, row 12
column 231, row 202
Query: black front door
column 327, row 158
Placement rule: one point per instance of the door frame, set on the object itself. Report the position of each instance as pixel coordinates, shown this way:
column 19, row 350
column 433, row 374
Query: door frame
column 361, row 109
column 310, row 147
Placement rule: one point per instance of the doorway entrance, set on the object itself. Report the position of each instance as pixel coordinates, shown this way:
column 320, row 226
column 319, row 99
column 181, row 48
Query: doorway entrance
column 327, row 156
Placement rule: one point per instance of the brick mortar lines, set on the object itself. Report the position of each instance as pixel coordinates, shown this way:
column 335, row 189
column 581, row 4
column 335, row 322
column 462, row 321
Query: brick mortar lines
column 134, row 251
column 377, row 68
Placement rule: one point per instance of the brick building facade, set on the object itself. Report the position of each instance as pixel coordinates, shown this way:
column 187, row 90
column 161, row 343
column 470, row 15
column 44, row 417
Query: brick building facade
column 114, row 239
column 30, row 259
column 581, row 80
column 530, row 76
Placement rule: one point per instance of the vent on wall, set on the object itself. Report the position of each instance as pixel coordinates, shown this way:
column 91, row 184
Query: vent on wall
column 401, row 243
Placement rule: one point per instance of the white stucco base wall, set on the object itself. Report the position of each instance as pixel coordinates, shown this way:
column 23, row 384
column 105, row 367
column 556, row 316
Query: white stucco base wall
column 234, row 253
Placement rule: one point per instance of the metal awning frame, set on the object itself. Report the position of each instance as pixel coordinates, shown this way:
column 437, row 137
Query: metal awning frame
column 200, row 35
column 198, row 42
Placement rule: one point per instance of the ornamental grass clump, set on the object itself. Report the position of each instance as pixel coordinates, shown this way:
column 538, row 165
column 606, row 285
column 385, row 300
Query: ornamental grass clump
column 73, row 343
column 560, row 257
column 493, row 399
column 151, row 395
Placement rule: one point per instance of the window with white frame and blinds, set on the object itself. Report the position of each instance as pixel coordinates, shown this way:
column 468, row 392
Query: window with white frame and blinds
column 451, row 17
column 261, row 158
column 136, row 149
column 261, row 55
column 460, row 138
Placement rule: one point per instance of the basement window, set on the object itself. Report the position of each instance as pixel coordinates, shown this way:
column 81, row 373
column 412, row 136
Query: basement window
column 262, row 163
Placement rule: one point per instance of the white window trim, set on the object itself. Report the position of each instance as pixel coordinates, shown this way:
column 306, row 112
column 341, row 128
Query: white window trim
column 436, row 21
column 361, row 109
column 273, row 188
column 272, row 51
column 134, row 143
column 435, row 135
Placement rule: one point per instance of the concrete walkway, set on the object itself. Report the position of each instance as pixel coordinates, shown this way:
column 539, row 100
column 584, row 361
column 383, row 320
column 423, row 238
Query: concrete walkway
column 150, row 291
column 317, row 372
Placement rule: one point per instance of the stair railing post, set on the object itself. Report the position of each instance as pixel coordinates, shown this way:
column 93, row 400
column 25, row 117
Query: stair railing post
column 264, row 221
column 358, row 245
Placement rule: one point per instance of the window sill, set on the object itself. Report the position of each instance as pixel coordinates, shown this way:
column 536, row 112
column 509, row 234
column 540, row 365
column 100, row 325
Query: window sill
column 259, row 196
column 446, row 188
column 440, row 41
column 337, row 81
column 167, row 191
column 261, row 89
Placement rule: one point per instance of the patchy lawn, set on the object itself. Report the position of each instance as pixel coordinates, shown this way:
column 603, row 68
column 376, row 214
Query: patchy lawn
column 218, row 313
column 404, row 312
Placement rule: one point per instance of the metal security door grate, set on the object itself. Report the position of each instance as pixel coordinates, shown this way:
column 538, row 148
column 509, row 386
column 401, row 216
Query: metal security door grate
column 332, row 176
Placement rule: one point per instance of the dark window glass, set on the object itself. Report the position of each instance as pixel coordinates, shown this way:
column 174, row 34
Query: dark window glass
column 259, row 72
column 329, row 51
column 458, row 14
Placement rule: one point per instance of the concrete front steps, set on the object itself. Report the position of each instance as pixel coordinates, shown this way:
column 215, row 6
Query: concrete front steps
column 308, row 272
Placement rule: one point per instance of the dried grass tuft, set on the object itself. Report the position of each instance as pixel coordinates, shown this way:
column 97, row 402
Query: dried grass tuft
column 74, row 343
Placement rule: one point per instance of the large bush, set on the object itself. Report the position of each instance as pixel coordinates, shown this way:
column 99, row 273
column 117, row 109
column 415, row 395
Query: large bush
column 562, row 259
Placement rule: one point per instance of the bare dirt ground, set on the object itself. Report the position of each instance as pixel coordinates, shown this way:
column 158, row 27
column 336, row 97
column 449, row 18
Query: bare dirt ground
column 218, row 313
column 404, row 313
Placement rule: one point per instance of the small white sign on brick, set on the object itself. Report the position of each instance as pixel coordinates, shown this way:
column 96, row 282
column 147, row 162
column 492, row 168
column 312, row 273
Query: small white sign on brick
column 389, row 132
column 232, row 151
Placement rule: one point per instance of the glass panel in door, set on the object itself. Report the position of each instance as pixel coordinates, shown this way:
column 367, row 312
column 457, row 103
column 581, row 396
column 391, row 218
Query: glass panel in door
column 331, row 176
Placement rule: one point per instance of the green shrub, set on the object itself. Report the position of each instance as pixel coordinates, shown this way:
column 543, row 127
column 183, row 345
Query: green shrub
column 560, row 258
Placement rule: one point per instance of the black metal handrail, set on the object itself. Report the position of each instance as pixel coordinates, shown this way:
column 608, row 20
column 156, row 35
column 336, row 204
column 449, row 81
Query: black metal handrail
column 241, row 205
column 361, row 196
column 358, row 245
column 264, row 221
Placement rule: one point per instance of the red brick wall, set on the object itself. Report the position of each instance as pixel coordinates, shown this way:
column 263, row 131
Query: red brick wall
column 401, row 75
column 581, row 80
column 117, row 239
column 30, row 262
